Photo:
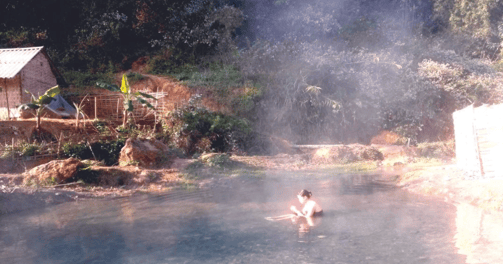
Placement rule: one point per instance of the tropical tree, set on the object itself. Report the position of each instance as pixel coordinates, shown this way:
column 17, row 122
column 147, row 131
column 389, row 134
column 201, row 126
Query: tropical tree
column 129, row 96
column 40, row 103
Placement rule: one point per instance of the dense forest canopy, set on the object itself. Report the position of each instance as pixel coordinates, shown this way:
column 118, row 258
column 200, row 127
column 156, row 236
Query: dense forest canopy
column 323, row 71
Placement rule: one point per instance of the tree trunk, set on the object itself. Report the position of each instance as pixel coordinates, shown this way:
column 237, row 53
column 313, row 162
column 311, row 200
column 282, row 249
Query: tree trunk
column 38, row 119
column 124, row 119
column 77, row 120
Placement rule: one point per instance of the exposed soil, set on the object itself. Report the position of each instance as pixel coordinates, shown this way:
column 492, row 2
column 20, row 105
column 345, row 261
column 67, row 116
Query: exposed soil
column 24, row 130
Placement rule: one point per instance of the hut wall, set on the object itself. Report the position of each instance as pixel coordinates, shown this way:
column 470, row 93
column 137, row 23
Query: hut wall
column 489, row 126
column 467, row 154
column 479, row 142
column 37, row 77
column 13, row 88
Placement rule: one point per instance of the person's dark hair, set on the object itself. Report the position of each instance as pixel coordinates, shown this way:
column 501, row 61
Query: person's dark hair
column 305, row 193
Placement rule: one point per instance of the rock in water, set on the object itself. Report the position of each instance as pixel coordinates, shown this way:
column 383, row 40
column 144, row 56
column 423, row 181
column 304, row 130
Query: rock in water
column 55, row 171
column 144, row 152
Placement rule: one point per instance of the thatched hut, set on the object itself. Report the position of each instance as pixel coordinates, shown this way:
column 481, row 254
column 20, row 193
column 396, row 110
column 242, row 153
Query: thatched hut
column 22, row 69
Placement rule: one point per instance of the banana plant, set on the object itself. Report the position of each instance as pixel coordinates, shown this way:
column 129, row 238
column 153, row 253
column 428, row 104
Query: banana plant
column 129, row 96
column 80, row 112
column 40, row 103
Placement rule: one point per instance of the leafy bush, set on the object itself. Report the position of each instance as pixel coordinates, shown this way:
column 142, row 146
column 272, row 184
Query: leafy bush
column 24, row 149
column 107, row 151
column 79, row 151
column 85, row 79
column 464, row 81
column 216, row 160
column 440, row 150
column 194, row 128
column 135, row 77
column 216, row 75
column 86, row 175
column 101, row 126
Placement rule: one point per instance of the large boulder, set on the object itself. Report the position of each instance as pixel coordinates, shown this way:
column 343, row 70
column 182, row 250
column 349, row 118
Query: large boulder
column 144, row 152
column 53, row 172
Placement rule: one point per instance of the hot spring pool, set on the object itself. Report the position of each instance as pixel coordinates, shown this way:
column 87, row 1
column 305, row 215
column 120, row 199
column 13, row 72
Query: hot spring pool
column 365, row 220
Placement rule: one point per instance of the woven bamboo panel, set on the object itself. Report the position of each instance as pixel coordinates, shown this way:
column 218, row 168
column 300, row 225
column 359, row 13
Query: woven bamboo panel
column 10, row 96
column 110, row 106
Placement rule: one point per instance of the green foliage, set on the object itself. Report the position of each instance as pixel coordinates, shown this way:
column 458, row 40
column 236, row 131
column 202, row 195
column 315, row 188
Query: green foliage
column 466, row 16
column 193, row 128
column 101, row 126
column 108, row 36
column 86, row 175
column 217, row 160
column 87, row 79
column 130, row 163
column 135, row 77
column 243, row 104
column 107, row 151
column 217, row 78
column 49, row 182
column 39, row 104
column 29, row 149
column 23, row 149
column 216, row 75
column 172, row 61
column 79, row 151
column 439, row 150
column 466, row 82
column 129, row 95
column 361, row 32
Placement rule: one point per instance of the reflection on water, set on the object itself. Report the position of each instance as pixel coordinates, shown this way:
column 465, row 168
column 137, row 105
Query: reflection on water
column 479, row 234
column 364, row 221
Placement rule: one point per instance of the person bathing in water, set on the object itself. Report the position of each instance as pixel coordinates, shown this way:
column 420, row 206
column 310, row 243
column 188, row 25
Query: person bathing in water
column 311, row 208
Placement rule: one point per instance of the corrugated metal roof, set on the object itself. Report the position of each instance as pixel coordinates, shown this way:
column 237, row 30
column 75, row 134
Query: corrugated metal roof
column 13, row 60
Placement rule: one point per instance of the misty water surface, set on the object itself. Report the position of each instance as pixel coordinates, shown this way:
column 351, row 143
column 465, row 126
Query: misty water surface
column 366, row 221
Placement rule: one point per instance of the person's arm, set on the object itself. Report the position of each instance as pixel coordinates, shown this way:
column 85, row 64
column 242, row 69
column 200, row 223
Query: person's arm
column 294, row 209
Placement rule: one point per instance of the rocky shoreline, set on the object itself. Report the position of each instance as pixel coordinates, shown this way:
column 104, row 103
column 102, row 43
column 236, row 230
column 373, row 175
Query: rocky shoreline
column 443, row 180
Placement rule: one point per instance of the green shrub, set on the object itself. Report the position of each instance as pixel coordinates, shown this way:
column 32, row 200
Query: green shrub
column 134, row 77
column 24, row 149
column 79, row 151
column 216, row 160
column 86, row 175
column 85, row 79
column 219, row 76
column 29, row 149
column 197, row 129
column 107, row 151
column 439, row 150
column 101, row 126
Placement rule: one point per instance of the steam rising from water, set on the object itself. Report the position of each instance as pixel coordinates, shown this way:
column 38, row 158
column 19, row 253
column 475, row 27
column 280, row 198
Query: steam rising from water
column 365, row 221
column 338, row 71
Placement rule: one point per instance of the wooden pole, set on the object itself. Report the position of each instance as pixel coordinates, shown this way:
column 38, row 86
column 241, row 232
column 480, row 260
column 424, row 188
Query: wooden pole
column 6, row 98
column 95, row 108
column 13, row 147
column 118, row 103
